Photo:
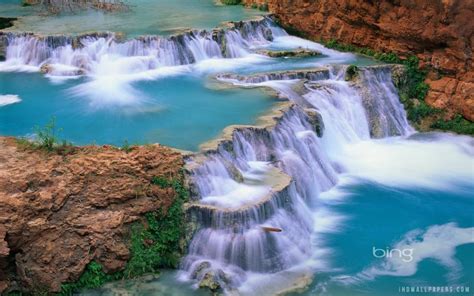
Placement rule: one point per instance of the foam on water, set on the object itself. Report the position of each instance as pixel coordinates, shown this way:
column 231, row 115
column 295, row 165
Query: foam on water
column 112, row 66
column 437, row 242
column 411, row 162
column 9, row 99
column 366, row 136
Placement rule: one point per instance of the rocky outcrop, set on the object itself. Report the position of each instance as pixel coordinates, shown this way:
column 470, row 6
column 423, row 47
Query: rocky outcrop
column 439, row 32
column 307, row 74
column 6, row 22
column 59, row 212
column 295, row 53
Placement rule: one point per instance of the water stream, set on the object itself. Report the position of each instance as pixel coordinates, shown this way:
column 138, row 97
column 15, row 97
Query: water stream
column 295, row 203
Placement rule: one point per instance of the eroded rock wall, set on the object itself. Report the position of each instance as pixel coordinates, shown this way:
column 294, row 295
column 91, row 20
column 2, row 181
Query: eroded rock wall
column 439, row 32
column 59, row 212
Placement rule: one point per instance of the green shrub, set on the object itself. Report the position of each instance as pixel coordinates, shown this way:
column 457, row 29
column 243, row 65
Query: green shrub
column 154, row 244
column 47, row 135
column 126, row 147
column 47, row 140
column 157, row 244
column 263, row 7
column 231, row 2
column 458, row 124
column 93, row 277
column 161, row 181
column 416, row 112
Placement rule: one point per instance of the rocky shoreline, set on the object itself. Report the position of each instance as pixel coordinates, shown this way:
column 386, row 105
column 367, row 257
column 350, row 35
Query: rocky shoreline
column 61, row 212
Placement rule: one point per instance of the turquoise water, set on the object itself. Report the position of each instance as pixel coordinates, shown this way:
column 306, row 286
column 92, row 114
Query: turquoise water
column 157, row 113
column 160, row 17
column 370, row 214
column 379, row 216
column 165, row 285
column 185, row 110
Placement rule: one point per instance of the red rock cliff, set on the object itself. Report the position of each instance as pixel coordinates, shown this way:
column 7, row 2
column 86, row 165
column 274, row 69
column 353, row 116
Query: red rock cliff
column 439, row 32
column 59, row 212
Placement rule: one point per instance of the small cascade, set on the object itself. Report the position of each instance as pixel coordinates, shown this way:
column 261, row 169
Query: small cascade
column 382, row 104
column 59, row 55
column 269, row 177
column 314, row 74
column 232, row 239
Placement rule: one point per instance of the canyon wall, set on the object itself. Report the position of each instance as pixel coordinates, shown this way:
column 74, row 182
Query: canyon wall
column 439, row 32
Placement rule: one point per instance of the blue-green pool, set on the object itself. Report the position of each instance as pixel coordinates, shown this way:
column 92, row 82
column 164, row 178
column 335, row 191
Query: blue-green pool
column 145, row 17
column 374, row 215
column 177, row 111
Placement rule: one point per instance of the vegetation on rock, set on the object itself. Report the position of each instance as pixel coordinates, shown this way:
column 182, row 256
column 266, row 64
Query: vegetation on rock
column 231, row 2
column 154, row 243
column 96, row 206
column 6, row 22
column 351, row 72
column 262, row 7
column 47, row 139
column 297, row 53
column 412, row 92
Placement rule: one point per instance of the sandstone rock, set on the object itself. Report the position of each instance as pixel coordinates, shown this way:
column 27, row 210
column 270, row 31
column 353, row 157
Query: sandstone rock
column 72, row 71
column 59, row 212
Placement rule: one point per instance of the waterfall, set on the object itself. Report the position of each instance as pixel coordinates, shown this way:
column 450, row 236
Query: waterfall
column 65, row 56
column 235, row 197
column 387, row 115
column 254, row 191
column 234, row 243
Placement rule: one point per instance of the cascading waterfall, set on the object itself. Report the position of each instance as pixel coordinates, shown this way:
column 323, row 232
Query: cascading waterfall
column 235, row 244
column 234, row 206
column 381, row 101
column 255, row 191
column 65, row 56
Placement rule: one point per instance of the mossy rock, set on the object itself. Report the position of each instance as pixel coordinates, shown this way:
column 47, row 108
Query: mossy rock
column 351, row 73
column 296, row 53
column 231, row 2
column 6, row 22
column 209, row 281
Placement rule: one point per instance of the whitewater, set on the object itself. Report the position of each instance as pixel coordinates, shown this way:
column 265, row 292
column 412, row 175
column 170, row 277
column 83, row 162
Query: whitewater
column 297, row 171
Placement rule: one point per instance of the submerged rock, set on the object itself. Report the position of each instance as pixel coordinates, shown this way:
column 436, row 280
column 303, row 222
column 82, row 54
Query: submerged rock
column 209, row 281
column 309, row 74
column 69, row 71
column 351, row 73
column 3, row 46
column 200, row 269
column 316, row 120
